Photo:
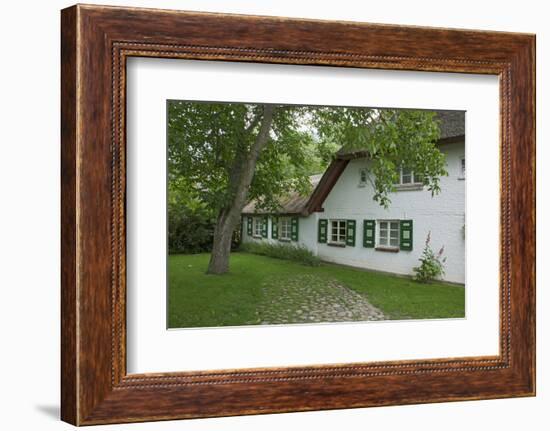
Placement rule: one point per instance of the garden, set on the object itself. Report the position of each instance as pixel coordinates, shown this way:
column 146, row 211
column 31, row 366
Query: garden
column 261, row 289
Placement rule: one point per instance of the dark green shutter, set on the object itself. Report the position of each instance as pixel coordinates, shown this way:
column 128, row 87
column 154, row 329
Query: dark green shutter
column 350, row 233
column 294, row 228
column 406, row 235
column 322, row 231
column 264, row 227
column 274, row 227
column 249, row 225
column 369, row 228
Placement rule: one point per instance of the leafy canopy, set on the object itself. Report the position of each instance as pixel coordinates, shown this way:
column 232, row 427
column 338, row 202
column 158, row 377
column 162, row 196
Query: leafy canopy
column 205, row 140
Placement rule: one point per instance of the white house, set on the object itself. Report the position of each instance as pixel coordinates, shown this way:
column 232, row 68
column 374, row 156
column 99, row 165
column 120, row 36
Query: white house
column 341, row 223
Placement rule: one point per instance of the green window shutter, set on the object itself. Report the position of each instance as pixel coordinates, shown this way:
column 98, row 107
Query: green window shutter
column 294, row 228
column 249, row 225
column 274, row 227
column 264, row 227
column 350, row 233
column 406, row 235
column 369, row 229
column 322, row 231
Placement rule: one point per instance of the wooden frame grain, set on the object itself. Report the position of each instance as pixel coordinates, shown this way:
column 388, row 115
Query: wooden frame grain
column 95, row 43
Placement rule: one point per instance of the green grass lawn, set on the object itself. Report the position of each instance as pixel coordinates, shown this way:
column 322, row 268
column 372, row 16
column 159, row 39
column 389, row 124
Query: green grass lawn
column 237, row 298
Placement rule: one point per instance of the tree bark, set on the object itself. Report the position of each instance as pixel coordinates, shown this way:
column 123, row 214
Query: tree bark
column 241, row 176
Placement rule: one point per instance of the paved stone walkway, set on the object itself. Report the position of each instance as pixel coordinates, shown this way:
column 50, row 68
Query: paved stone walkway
column 310, row 299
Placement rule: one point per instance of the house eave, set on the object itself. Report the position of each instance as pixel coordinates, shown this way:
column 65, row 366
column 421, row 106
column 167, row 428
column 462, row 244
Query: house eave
column 327, row 182
column 271, row 213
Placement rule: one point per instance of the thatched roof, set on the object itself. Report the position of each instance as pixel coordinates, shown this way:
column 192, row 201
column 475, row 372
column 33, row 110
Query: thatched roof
column 452, row 124
column 293, row 203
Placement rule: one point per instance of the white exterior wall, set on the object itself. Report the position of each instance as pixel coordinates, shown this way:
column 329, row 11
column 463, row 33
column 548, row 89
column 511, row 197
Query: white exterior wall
column 443, row 215
column 307, row 232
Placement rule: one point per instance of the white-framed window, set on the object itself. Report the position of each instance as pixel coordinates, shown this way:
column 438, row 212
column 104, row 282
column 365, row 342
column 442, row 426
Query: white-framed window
column 257, row 227
column 363, row 177
column 284, row 228
column 406, row 176
column 388, row 233
column 462, row 168
column 337, row 232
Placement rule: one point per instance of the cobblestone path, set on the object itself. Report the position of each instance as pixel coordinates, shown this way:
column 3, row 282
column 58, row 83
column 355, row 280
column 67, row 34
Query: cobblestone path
column 310, row 299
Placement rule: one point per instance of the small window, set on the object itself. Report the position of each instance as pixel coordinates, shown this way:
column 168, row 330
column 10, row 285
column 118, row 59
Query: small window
column 407, row 176
column 257, row 231
column 284, row 228
column 388, row 233
column 337, row 232
column 363, row 176
column 462, row 174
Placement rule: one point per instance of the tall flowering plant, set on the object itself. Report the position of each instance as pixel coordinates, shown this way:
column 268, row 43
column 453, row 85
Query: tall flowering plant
column 431, row 264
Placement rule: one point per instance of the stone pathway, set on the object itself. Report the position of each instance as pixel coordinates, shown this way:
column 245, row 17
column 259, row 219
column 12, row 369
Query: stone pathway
column 311, row 299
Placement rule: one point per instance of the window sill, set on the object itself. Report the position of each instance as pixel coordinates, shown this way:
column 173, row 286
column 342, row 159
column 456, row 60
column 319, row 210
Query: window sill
column 257, row 236
column 284, row 240
column 335, row 244
column 408, row 187
column 461, row 178
column 387, row 249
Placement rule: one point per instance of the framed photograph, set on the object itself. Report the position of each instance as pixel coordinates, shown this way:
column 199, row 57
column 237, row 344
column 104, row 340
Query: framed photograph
column 265, row 214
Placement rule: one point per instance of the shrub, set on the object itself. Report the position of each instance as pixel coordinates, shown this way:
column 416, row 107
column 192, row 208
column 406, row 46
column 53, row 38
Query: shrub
column 431, row 264
column 296, row 253
column 191, row 221
column 190, row 230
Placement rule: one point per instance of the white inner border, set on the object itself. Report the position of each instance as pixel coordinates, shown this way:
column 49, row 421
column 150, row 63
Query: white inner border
column 153, row 348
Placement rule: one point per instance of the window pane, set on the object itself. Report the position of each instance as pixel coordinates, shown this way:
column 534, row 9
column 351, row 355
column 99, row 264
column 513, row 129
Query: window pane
column 383, row 225
column 394, row 234
column 418, row 178
column 285, row 228
column 394, row 242
column 383, row 241
column 257, row 227
column 337, row 231
column 394, row 225
column 406, row 177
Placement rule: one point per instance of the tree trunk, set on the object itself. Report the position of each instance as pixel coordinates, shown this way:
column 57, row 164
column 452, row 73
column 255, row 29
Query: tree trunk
column 241, row 177
column 221, row 247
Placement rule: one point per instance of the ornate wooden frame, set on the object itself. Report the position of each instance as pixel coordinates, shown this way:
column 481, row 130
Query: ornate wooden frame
column 95, row 43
